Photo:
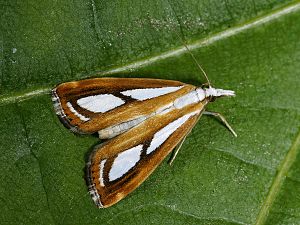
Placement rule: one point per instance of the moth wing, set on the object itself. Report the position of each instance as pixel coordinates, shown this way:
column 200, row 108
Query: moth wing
column 121, row 164
column 88, row 106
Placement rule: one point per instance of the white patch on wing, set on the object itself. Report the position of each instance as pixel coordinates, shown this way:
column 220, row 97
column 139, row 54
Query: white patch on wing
column 200, row 93
column 162, row 135
column 101, row 168
column 187, row 99
column 124, row 162
column 82, row 117
column 120, row 128
column 148, row 93
column 100, row 103
column 165, row 109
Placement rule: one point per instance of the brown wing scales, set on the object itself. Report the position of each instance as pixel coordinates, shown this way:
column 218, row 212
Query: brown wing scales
column 81, row 120
column 148, row 134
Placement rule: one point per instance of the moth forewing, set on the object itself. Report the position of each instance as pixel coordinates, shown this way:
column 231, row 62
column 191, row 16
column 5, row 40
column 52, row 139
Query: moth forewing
column 119, row 166
column 92, row 105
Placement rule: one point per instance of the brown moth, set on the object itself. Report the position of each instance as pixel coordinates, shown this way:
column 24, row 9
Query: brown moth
column 143, row 120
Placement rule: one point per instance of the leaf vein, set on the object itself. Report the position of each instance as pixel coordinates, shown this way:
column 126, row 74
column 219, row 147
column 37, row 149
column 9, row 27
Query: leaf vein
column 174, row 210
column 278, row 181
column 36, row 158
column 243, row 160
column 174, row 52
column 95, row 21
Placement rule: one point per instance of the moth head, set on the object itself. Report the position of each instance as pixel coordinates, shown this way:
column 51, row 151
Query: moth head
column 214, row 93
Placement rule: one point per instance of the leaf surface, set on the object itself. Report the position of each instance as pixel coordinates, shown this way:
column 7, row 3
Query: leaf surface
column 252, row 47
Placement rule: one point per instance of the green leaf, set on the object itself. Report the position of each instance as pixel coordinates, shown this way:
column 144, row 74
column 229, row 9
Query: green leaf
column 252, row 47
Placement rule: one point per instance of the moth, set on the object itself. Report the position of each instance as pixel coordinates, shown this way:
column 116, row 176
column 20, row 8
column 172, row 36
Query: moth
column 143, row 120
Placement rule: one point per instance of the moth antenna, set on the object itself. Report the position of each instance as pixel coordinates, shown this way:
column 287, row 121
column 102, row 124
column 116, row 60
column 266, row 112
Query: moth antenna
column 194, row 58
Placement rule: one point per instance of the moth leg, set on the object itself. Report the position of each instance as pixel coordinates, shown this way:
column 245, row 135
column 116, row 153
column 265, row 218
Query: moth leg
column 222, row 118
column 176, row 150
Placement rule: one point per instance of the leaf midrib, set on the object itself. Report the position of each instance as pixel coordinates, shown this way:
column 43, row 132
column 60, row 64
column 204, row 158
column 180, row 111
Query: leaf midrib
column 256, row 21
column 282, row 173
